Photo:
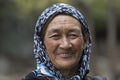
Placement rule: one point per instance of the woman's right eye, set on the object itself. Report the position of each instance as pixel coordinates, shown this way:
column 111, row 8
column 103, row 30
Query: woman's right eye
column 55, row 37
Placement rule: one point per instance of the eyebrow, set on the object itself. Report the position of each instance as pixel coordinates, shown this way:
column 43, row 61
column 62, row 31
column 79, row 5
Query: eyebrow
column 74, row 30
column 54, row 31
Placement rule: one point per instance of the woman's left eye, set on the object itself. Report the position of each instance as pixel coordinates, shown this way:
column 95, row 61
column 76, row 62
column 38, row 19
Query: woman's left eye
column 73, row 36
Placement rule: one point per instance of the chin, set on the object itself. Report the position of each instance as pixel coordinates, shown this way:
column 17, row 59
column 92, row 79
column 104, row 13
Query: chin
column 66, row 65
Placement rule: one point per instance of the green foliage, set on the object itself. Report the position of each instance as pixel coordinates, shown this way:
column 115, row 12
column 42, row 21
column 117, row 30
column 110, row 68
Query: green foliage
column 99, row 8
column 26, row 7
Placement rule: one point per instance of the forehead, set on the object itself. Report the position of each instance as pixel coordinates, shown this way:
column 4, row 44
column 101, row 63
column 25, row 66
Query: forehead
column 63, row 21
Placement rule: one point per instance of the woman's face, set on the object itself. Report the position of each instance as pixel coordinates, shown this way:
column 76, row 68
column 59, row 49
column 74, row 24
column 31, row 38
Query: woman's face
column 64, row 42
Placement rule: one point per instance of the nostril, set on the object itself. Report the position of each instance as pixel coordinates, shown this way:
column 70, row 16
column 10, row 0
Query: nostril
column 65, row 44
column 70, row 45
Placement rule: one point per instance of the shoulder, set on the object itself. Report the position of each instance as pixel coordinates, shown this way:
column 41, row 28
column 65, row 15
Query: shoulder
column 33, row 76
column 95, row 78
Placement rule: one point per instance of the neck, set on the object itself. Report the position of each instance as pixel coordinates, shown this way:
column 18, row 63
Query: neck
column 69, row 72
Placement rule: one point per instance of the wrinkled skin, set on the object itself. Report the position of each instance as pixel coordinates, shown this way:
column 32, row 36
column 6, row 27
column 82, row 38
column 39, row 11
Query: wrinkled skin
column 64, row 43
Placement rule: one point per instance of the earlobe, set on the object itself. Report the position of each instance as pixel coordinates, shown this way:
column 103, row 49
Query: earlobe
column 85, row 43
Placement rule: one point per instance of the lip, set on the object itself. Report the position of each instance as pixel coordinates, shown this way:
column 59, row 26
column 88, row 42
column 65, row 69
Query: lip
column 65, row 55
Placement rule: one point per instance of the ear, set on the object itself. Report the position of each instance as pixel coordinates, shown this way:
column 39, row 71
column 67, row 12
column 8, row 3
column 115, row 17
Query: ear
column 86, row 41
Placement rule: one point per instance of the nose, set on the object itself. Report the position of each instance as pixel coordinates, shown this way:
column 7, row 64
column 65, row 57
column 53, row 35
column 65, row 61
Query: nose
column 65, row 43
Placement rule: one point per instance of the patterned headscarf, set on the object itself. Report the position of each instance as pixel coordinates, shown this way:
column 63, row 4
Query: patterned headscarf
column 44, row 65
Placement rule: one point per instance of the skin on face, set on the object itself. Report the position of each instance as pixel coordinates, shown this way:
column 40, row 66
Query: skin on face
column 64, row 42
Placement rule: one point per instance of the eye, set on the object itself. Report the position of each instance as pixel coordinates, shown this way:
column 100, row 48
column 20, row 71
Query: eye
column 55, row 36
column 73, row 36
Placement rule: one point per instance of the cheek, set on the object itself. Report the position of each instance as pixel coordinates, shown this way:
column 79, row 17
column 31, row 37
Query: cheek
column 50, row 47
column 78, row 44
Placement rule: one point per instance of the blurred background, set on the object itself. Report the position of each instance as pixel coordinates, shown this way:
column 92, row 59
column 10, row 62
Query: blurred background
column 17, row 22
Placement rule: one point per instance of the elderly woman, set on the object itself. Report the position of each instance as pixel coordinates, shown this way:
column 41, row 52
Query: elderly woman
column 62, row 45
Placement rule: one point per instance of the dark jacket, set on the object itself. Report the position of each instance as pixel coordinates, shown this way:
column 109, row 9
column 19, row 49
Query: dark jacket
column 32, row 76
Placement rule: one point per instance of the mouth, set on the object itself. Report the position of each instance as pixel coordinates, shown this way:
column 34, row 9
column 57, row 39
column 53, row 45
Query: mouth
column 67, row 54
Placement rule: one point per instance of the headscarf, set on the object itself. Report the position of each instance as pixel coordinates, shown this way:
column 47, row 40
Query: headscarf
column 44, row 65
